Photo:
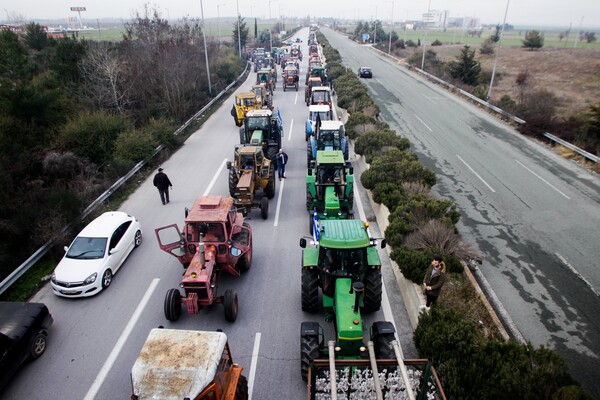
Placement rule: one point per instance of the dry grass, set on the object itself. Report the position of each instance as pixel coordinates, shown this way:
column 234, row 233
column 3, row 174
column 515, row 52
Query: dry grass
column 570, row 74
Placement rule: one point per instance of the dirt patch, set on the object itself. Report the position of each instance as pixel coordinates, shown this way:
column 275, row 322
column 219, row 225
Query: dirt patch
column 570, row 73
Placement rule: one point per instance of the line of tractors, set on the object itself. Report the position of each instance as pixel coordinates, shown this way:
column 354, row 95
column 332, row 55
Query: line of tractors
column 341, row 268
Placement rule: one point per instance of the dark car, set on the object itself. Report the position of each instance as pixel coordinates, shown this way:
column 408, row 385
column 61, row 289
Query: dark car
column 23, row 334
column 365, row 72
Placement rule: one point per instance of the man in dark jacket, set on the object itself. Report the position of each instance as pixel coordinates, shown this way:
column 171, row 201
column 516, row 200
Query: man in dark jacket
column 435, row 277
column 282, row 159
column 162, row 183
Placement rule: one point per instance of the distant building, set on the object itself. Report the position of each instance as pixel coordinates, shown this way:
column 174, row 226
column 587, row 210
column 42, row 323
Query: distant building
column 436, row 19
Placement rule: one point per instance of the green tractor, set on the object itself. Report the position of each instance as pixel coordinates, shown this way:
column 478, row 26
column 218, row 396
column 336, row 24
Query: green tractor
column 329, row 187
column 342, row 261
column 263, row 128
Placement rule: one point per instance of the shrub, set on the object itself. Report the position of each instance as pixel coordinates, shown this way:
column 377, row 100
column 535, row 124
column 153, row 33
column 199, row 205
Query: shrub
column 134, row 145
column 412, row 263
column 436, row 42
column 358, row 123
column 507, row 104
column 375, row 143
column 397, row 166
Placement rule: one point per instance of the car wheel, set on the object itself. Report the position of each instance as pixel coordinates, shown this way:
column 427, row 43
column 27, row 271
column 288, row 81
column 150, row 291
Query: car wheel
column 106, row 278
column 38, row 345
column 138, row 239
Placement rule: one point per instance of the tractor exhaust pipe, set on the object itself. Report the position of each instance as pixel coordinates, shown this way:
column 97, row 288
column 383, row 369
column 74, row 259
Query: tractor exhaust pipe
column 332, row 376
column 358, row 288
column 376, row 382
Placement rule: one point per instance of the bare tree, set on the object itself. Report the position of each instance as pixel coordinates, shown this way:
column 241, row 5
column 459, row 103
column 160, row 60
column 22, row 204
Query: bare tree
column 103, row 72
column 439, row 238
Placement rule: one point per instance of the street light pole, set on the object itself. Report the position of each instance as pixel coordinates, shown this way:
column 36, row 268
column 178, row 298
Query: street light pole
column 425, row 42
column 219, row 21
column 205, row 49
column 237, row 3
column 391, row 28
column 489, row 93
column 375, row 34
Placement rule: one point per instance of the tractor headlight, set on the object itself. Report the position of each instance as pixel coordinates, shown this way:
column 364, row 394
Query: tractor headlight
column 235, row 251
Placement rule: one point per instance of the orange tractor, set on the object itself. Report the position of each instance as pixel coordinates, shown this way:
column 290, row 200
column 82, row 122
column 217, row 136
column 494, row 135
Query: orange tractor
column 214, row 239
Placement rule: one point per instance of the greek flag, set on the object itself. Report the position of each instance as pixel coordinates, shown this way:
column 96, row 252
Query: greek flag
column 316, row 229
column 279, row 120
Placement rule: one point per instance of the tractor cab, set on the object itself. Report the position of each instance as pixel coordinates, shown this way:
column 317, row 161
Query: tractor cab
column 243, row 102
column 262, row 128
column 328, row 135
column 321, row 95
column 329, row 185
column 317, row 114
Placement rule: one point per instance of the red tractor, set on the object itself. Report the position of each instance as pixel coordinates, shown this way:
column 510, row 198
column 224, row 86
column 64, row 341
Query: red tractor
column 215, row 238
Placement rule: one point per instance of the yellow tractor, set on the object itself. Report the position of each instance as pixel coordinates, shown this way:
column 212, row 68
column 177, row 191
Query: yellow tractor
column 243, row 102
column 263, row 97
column 250, row 172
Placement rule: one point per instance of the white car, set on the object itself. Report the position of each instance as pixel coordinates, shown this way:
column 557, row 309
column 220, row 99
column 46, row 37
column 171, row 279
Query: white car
column 96, row 255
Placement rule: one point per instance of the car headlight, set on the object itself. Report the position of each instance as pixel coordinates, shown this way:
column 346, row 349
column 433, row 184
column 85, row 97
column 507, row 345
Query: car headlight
column 53, row 278
column 91, row 278
column 235, row 251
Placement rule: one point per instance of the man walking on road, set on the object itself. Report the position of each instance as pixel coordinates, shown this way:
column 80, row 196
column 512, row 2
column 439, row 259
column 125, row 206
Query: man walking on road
column 282, row 159
column 162, row 183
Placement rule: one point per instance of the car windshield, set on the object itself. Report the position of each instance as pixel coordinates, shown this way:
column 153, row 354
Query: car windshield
column 87, row 248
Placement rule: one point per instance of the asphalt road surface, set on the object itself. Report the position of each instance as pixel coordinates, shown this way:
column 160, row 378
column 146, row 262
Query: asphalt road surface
column 95, row 341
column 533, row 215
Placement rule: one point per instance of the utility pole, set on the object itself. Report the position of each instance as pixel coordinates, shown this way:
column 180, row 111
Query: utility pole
column 425, row 42
column 237, row 3
column 391, row 28
column 219, row 21
column 489, row 93
column 205, row 49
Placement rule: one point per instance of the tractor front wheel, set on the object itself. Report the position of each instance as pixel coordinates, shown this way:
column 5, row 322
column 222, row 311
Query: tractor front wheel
column 310, row 290
column 373, row 290
column 233, row 181
column 383, row 346
column 264, row 208
column 230, row 301
column 241, row 391
column 309, row 351
column 173, row 305
column 245, row 262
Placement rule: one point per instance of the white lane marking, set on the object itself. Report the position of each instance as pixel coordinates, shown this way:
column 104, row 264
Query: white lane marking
column 108, row 364
column 276, row 222
column 214, row 179
column 385, row 301
column 252, row 372
column 296, row 98
column 423, row 122
column 577, row 274
column 476, row 174
column 291, row 127
column 543, row 180
column 429, row 98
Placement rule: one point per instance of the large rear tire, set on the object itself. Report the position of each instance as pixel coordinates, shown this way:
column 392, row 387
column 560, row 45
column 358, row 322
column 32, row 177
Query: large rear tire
column 310, row 290
column 233, row 181
column 309, row 351
column 309, row 154
column 309, row 201
column 264, row 208
column 272, row 154
column 173, row 305
column 241, row 392
column 373, row 290
column 270, row 189
column 230, row 303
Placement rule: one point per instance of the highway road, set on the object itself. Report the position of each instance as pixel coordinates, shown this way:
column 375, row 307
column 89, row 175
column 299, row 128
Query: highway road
column 95, row 341
column 532, row 214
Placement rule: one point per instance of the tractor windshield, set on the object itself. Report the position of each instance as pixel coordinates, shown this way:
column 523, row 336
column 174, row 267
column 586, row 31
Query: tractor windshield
column 261, row 123
column 247, row 161
column 329, row 140
column 330, row 174
column 352, row 261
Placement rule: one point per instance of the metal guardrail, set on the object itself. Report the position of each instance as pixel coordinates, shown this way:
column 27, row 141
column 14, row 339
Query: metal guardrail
column 37, row 256
column 570, row 146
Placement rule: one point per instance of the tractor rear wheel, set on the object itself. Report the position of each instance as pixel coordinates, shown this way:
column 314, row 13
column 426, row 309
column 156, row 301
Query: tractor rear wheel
column 309, row 351
column 173, row 305
column 296, row 86
column 241, row 392
column 383, row 346
column 233, row 181
column 346, row 150
column 373, row 290
column 310, row 290
column 272, row 155
column 245, row 262
column 309, row 200
column 309, row 154
column 264, row 208
column 270, row 189
column 230, row 303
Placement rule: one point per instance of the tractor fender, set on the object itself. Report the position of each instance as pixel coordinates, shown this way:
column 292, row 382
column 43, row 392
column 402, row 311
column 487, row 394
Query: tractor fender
column 310, row 257
column 309, row 129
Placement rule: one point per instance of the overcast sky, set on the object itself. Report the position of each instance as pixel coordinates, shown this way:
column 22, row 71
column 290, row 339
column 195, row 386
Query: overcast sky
column 520, row 12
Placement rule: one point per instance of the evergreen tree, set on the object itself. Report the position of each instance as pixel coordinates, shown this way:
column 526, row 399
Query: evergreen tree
column 244, row 31
column 35, row 36
column 533, row 40
column 466, row 67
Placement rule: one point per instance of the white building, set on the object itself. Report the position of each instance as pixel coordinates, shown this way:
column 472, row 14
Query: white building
column 436, row 18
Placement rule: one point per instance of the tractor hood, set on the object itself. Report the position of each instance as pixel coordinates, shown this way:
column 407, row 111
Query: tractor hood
column 343, row 234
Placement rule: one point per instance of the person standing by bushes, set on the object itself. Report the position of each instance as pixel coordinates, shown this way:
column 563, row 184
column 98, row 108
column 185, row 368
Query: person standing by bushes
column 435, row 277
